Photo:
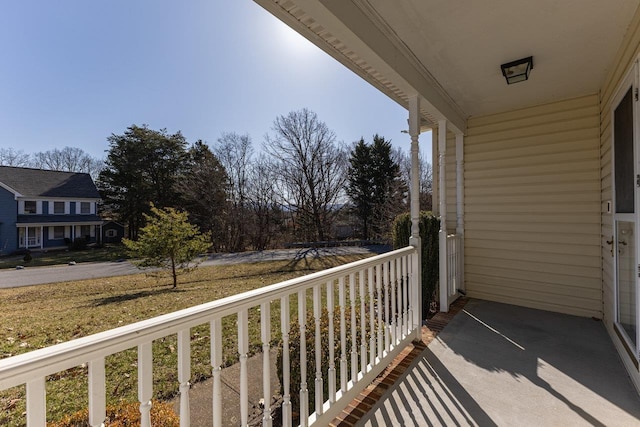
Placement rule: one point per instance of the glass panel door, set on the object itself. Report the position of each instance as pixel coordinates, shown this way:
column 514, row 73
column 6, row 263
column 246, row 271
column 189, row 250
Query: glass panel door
column 626, row 268
column 626, row 171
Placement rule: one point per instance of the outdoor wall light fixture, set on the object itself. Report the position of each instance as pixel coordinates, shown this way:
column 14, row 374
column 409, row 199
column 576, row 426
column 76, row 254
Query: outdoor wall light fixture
column 517, row 71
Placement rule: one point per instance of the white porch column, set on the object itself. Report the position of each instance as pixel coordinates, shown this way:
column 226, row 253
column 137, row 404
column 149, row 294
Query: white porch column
column 41, row 237
column 442, row 193
column 26, row 237
column 435, row 195
column 460, row 204
column 414, row 240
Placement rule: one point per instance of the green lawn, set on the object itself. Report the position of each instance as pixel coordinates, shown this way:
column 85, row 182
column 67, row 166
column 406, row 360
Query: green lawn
column 53, row 257
column 39, row 316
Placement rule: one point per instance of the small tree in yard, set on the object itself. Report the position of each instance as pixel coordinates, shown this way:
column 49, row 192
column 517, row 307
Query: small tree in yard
column 168, row 241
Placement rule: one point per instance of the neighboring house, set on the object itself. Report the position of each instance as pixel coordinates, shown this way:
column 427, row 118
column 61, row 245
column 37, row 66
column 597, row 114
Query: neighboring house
column 42, row 209
column 539, row 179
column 112, row 232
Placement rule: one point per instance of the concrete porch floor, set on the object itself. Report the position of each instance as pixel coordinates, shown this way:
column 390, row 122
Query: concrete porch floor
column 501, row 365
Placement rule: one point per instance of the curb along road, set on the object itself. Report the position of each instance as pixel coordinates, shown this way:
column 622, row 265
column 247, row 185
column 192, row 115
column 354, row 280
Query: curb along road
column 12, row 278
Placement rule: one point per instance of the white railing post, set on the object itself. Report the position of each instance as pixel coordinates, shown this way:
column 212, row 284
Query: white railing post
column 265, row 333
column 460, row 206
column 184, row 375
column 354, row 326
column 343, row 335
column 416, row 274
column 405, row 300
column 332, row 338
column 379, row 310
column 363, row 324
column 36, row 403
column 372, row 307
column 285, row 321
column 393, row 326
column 243, row 348
column 304, row 392
column 145, row 382
column 216, row 365
column 385, row 299
column 317, row 312
column 97, row 397
column 442, row 160
column 415, row 290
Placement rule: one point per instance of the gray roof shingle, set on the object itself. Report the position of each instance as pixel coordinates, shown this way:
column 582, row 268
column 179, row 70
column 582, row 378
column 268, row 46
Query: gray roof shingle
column 46, row 183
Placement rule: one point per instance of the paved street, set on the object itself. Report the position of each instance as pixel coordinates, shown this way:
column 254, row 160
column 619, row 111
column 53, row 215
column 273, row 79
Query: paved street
column 12, row 278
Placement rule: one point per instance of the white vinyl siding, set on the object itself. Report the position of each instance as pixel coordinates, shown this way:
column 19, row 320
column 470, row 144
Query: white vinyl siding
column 532, row 207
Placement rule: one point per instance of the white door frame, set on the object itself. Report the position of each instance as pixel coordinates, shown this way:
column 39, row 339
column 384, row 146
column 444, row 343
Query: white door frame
column 631, row 80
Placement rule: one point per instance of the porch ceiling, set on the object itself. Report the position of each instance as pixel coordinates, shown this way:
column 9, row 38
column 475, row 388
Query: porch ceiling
column 450, row 52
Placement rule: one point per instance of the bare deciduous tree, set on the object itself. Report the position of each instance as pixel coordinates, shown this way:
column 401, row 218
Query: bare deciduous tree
column 234, row 152
column 311, row 171
column 426, row 176
column 68, row 159
column 266, row 214
column 11, row 157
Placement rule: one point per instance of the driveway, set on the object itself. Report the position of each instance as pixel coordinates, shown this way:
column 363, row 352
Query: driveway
column 12, row 278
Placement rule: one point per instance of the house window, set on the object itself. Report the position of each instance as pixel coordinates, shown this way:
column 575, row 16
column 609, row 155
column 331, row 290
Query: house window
column 30, row 207
column 58, row 232
column 111, row 233
column 58, row 207
column 85, row 207
column 85, row 230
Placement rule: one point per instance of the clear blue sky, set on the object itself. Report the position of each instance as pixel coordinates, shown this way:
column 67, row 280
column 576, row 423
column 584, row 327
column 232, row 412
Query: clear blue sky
column 73, row 72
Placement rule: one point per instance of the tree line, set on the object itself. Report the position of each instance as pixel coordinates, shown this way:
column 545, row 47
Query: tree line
column 304, row 185
column 67, row 159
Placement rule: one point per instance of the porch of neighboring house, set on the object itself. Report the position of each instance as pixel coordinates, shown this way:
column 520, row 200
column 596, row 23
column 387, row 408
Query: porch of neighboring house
column 41, row 235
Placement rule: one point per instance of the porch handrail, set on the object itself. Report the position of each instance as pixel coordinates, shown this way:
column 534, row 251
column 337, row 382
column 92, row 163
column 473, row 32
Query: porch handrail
column 32, row 368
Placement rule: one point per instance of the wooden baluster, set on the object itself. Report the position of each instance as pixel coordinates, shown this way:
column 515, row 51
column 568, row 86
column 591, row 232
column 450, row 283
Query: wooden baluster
column 36, row 403
column 405, row 298
column 354, row 328
column 184, row 375
column 243, row 348
column 392, row 288
column 145, row 382
column 317, row 313
column 97, row 396
column 216, row 364
column 332, row 341
column 412, row 293
column 285, row 321
column 265, row 333
column 379, row 309
column 304, row 392
column 363, row 324
column 385, row 299
column 343, row 335
column 372, row 308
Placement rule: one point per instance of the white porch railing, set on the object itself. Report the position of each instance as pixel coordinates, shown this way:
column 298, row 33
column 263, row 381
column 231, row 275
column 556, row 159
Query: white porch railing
column 30, row 242
column 385, row 288
column 455, row 267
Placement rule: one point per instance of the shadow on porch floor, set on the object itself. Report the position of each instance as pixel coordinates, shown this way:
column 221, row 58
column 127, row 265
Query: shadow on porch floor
column 502, row 365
